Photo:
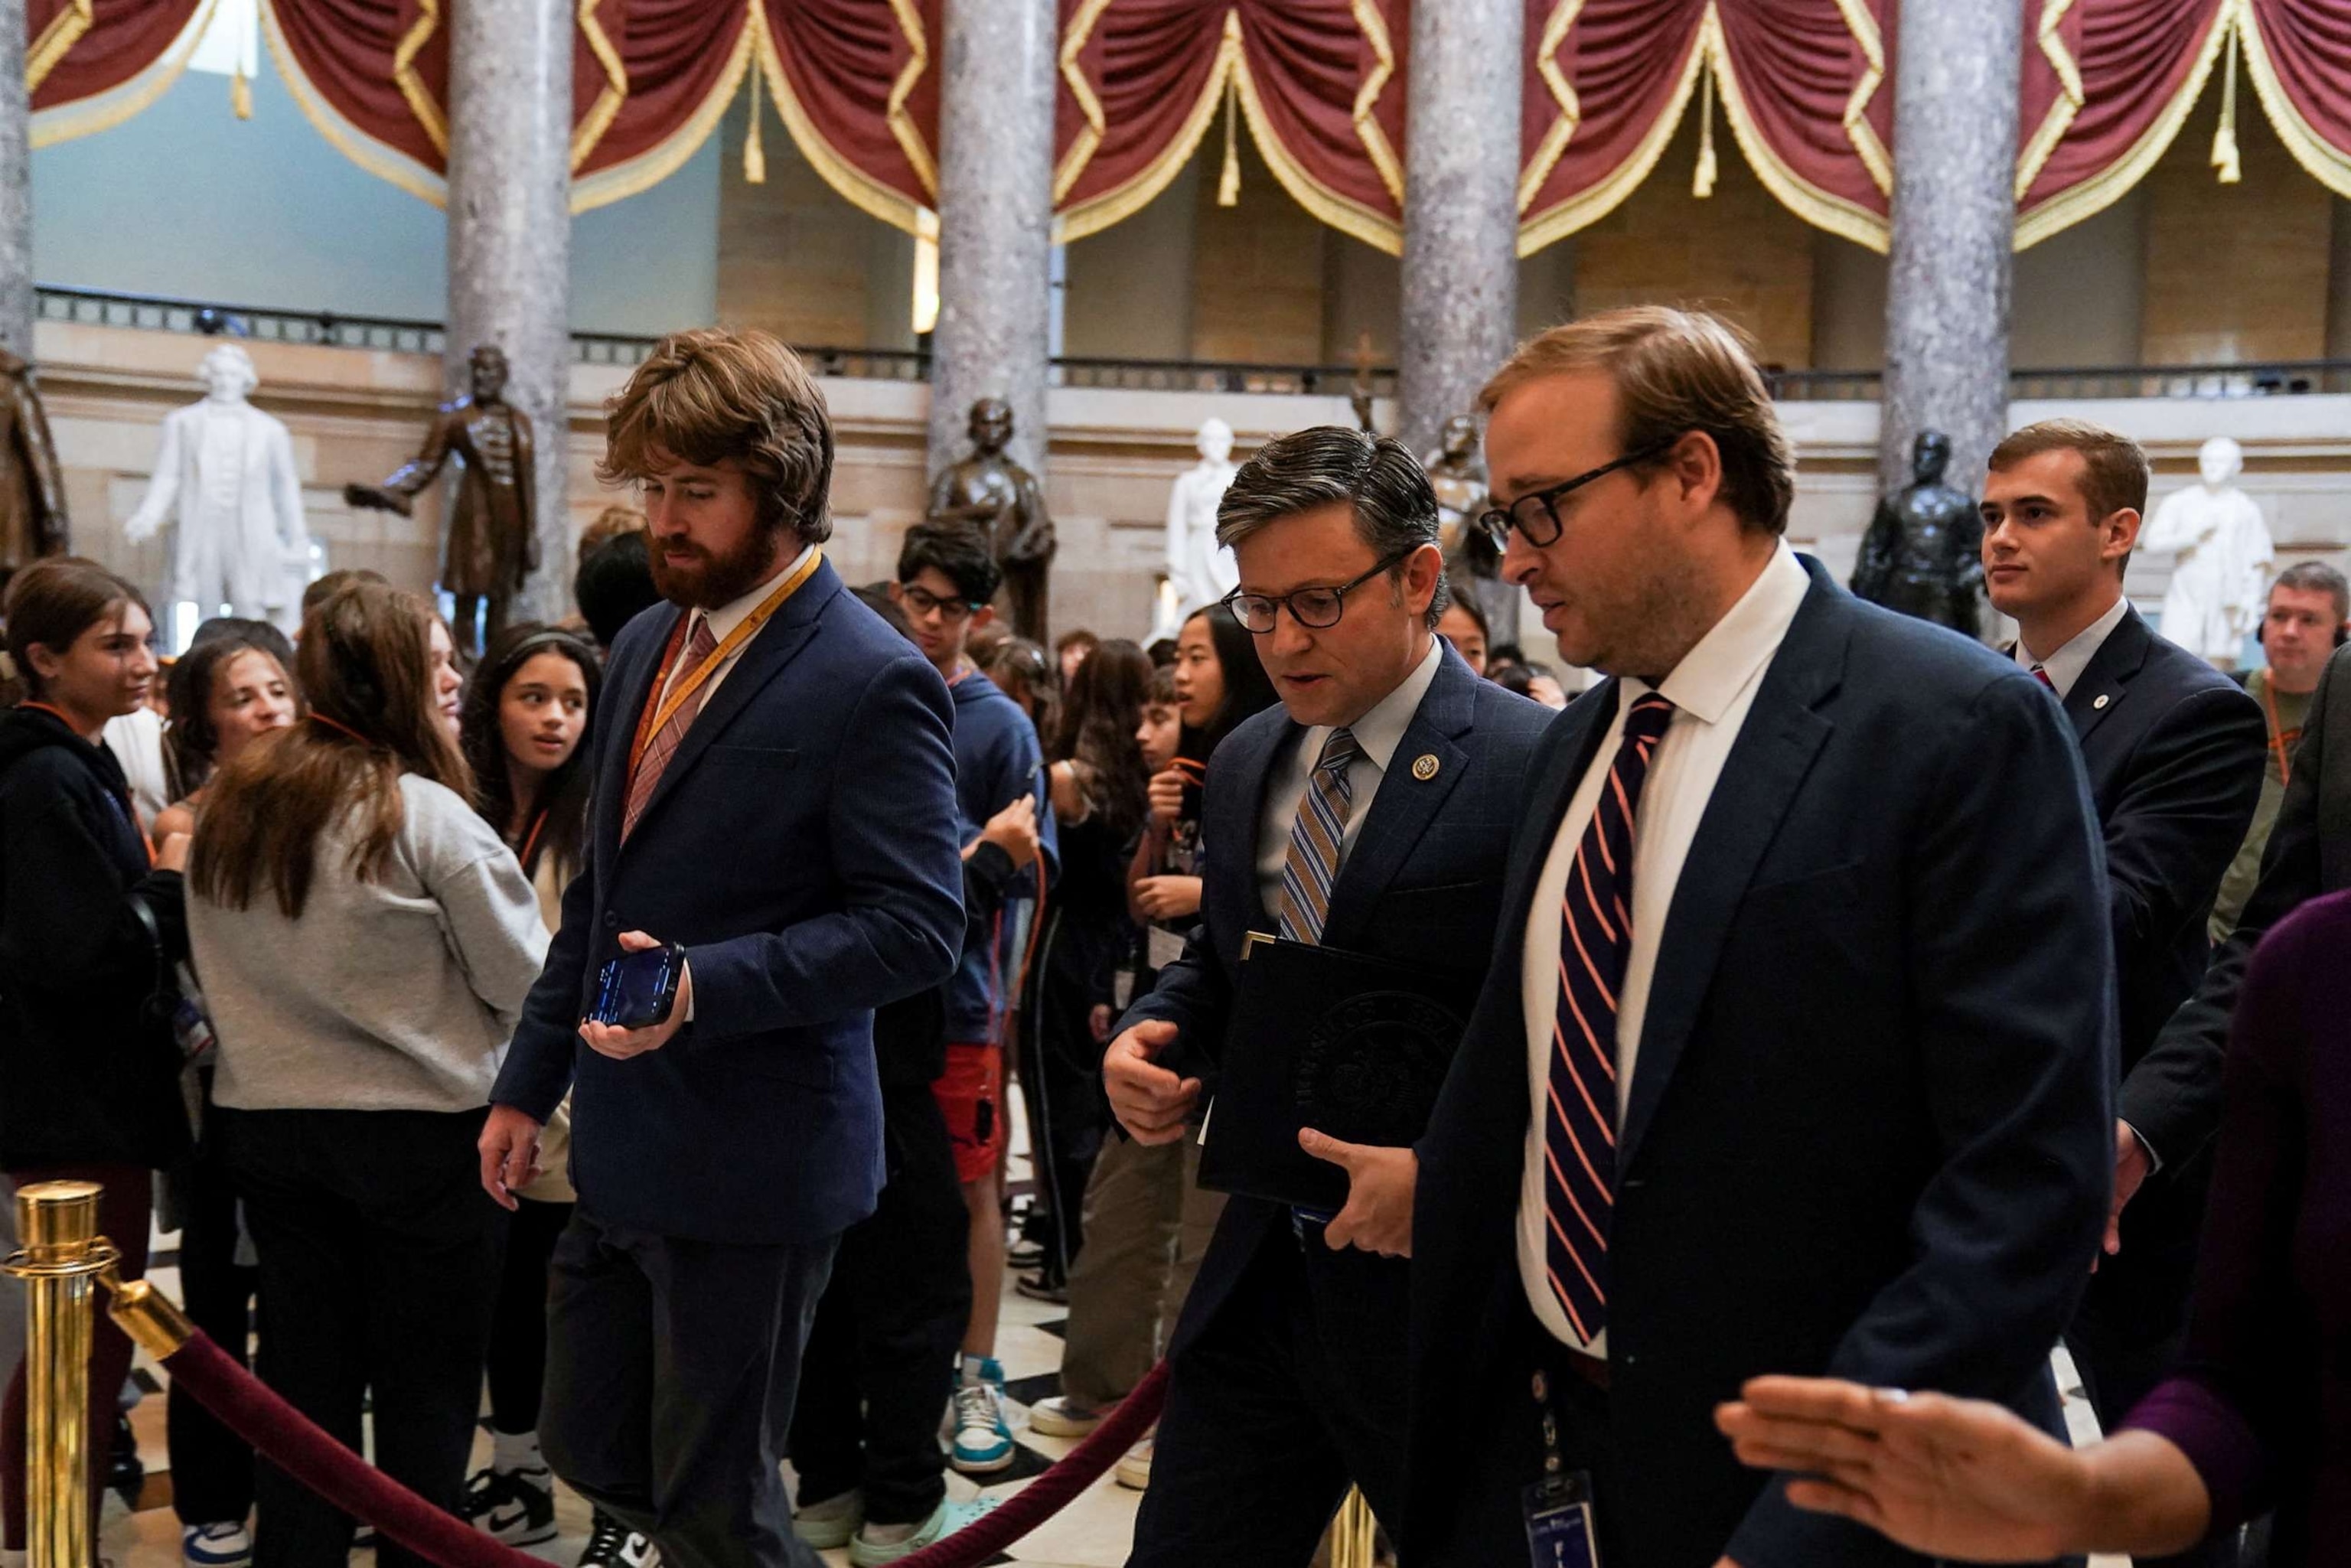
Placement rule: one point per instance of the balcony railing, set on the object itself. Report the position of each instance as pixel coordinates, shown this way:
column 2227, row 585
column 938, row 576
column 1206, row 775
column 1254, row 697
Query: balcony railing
column 2282, row 378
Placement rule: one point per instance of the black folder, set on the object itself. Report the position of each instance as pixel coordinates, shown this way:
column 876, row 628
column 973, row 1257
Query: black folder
column 1348, row 1044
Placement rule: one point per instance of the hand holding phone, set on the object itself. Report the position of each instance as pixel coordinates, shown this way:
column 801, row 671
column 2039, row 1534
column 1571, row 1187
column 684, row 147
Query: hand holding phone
column 643, row 997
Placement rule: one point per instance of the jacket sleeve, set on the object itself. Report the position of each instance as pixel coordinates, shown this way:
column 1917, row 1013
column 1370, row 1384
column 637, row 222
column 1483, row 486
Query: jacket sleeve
column 893, row 835
column 2173, row 1094
column 536, row 1072
column 2010, row 964
column 1194, row 993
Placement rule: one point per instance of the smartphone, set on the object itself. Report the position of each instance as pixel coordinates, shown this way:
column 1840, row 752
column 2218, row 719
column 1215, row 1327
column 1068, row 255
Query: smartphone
column 637, row 990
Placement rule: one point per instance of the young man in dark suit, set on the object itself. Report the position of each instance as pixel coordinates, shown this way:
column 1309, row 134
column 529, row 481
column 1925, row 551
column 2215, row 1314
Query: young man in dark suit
column 775, row 790
column 1798, row 1046
column 1370, row 814
column 2173, row 748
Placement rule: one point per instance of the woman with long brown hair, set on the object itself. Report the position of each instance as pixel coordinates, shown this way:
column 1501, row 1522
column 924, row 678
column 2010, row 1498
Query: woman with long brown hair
column 366, row 942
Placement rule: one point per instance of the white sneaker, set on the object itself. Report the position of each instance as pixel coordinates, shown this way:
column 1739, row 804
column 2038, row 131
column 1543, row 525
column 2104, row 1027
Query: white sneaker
column 222, row 1545
column 1063, row 1416
column 829, row 1524
column 983, row 1437
column 1134, row 1470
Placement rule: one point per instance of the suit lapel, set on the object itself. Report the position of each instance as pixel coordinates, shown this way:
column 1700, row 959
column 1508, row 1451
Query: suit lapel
column 1405, row 803
column 1767, row 762
column 2106, row 680
column 1251, row 753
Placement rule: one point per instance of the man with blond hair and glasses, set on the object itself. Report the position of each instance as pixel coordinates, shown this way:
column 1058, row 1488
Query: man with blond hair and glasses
column 1797, row 1049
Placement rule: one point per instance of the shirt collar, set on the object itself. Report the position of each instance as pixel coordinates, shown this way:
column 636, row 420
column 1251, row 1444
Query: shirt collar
column 1380, row 729
column 735, row 611
column 1712, row 674
column 2064, row 667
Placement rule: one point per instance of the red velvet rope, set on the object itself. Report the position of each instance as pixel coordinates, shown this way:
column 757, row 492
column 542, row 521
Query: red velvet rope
column 294, row 1444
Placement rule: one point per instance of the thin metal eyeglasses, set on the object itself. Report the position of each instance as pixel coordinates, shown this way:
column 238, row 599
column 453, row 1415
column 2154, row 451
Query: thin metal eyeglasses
column 922, row 602
column 1536, row 514
column 1316, row 608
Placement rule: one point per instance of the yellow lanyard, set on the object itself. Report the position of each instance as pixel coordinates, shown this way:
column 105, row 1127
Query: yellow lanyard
column 655, row 717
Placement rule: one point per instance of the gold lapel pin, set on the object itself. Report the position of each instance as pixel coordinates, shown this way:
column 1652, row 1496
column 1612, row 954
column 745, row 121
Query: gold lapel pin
column 1425, row 767
column 2101, row 700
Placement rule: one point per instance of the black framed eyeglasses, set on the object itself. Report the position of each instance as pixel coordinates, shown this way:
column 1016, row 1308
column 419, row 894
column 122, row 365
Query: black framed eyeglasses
column 1316, row 608
column 922, row 602
column 1536, row 514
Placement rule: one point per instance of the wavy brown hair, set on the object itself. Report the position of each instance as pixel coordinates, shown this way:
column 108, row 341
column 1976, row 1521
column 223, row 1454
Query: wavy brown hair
column 1097, row 728
column 365, row 668
column 707, row 395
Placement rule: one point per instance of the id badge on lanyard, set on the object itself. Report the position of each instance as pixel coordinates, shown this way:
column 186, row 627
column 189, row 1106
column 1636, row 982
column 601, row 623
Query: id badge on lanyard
column 1557, row 1510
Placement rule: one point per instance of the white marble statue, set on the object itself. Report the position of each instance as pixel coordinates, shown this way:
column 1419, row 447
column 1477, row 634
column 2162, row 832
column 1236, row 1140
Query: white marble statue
column 2218, row 582
column 1199, row 569
column 225, row 476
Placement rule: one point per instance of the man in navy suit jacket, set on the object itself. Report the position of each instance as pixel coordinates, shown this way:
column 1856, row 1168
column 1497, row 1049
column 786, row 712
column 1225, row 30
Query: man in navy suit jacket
column 1288, row 1358
column 2174, row 751
column 1828, row 1084
column 775, row 791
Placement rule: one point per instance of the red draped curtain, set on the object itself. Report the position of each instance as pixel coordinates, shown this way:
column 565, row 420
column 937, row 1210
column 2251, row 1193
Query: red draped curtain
column 2298, row 53
column 91, row 63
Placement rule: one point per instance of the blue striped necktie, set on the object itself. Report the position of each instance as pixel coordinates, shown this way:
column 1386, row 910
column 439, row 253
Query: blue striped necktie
column 1579, row 1122
column 1316, row 839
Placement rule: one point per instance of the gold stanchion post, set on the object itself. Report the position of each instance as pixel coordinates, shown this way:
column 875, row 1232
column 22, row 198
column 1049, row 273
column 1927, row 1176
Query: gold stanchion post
column 62, row 1256
column 1355, row 1534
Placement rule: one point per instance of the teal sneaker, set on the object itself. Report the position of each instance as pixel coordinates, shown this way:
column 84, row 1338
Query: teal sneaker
column 879, row 1543
column 983, row 1437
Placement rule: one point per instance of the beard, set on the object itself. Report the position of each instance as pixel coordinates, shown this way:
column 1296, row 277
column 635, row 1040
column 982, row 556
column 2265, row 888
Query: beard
column 709, row 580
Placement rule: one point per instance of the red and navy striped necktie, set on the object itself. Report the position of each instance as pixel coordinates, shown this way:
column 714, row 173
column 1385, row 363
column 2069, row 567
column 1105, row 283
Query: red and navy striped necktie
column 1595, row 941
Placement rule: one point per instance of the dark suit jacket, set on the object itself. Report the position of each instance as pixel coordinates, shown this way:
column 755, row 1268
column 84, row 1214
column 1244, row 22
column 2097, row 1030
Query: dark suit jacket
column 2173, row 1094
column 2174, row 750
column 1870, row 1130
column 801, row 844
column 1420, row 885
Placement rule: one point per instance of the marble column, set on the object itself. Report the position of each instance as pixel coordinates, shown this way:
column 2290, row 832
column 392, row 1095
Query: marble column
column 1947, row 299
column 16, row 186
column 510, row 240
column 994, row 337
column 1460, row 209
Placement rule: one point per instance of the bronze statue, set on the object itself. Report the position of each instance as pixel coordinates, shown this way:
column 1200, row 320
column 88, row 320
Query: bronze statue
column 1458, row 473
column 1924, row 552
column 992, row 493
column 492, row 535
column 32, row 490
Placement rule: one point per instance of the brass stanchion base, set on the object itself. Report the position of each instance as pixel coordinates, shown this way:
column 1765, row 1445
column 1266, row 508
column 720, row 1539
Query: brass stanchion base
column 63, row 1253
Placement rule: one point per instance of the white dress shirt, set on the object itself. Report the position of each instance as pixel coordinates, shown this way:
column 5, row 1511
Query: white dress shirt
column 1377, row 734
column 1712, row 690
column 2064, row 667
column 724, row 619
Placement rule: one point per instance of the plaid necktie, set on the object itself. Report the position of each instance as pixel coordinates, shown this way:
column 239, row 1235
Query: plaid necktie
column 666, row 740
column 1595, row 940
column 1315, row 840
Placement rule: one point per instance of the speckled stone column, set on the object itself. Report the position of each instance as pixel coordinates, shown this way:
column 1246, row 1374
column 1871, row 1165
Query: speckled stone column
column 510, row 239
column 1460, row 209
column 16, row 186
column 1947, row 298
column 994, row 337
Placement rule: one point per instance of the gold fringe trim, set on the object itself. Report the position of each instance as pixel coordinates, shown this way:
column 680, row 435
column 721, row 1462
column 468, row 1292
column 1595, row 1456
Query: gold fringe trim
column 1229, row 181
column 412, row 83
column 1082, row 152
column 1142, row 187
column 2110, row 184
column 1702, row 180
column 755, row 150
column 102, row 112
column 1563, row 126
column 2070, row 97
column 1822, row 209
column 1563, row 218
column 860, row 189
column 1344, row 213
column 607, row 107
column 2328, row 164
column 1857, row 129
column 2224, row 140
column 666, row 157
column 1367, row 97
column 902, row 124
column 240, row 95
column 57, row 40
column 380, row 158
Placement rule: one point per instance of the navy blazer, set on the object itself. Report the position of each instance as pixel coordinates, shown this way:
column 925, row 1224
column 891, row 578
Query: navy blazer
column 801, row 844
column 1870, row 1132
column 1420, row 885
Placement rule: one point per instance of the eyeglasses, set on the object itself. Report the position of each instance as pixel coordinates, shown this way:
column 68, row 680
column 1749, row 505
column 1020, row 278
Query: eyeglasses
column 1536, row 514
column 1317, row 609
column 922, row 602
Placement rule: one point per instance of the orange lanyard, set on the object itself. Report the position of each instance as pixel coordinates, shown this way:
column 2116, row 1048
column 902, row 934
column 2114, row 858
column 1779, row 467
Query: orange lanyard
column 123, row 806
column 2277, row 738
column 658, row 710
column 531, row 840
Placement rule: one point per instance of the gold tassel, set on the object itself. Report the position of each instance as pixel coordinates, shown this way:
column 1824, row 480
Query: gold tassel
column 755, row 153
column 2224, row 140
column 1228, row 184
column 1702, row 184
column 240, row 94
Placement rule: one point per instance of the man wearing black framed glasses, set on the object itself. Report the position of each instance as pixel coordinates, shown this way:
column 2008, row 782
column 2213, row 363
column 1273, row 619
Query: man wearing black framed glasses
column 1369, row 814
column 1796, row 1052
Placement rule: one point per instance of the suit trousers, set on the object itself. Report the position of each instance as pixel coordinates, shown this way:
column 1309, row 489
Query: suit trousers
column 880, row 1359
column 671, row 1366
column 1295, row 1388
column 379, row 1262
column 1147, row 1226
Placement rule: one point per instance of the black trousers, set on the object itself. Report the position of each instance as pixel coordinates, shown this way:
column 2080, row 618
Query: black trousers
column 880, row 1359
column 378, row 1261
column 1294, row 1389
column 212, row 1467
column 517, row 1361
column 671, row 1366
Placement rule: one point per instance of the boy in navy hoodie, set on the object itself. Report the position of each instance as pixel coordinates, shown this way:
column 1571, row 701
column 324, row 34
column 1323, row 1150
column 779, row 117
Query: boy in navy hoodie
column 946, row 580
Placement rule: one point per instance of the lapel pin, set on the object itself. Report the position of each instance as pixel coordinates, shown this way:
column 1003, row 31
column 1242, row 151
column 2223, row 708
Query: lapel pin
column 2101, row 700
column 1424, row 767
